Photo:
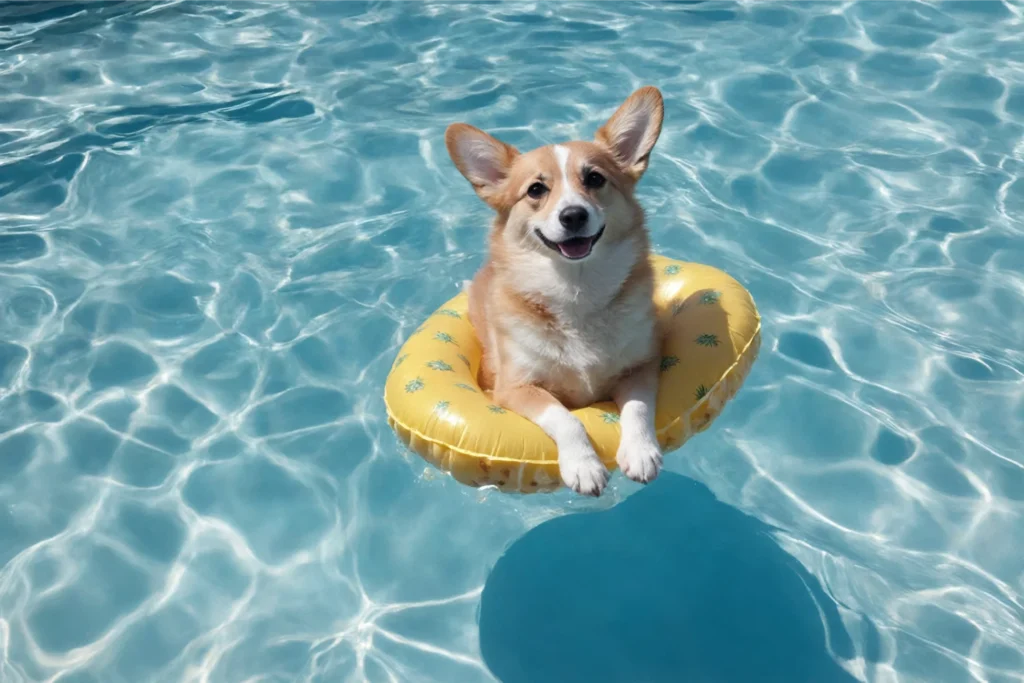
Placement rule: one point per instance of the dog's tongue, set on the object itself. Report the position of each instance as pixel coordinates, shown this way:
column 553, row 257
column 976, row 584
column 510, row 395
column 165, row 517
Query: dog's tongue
column 577, row 247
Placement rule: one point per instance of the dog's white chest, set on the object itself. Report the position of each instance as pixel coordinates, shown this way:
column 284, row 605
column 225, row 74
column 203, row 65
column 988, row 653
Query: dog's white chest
column 579, row 358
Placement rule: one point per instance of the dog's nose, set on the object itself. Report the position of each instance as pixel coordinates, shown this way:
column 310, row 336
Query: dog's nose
column 573, row 218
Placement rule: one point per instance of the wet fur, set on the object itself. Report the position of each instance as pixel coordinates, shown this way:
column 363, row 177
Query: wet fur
column 559, row 334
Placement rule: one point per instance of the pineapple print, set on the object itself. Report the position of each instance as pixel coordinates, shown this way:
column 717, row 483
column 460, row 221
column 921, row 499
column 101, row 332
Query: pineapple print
column 708, row 340
column 669, row 362
column 450, row 313
column 445, row 338
column 702, row 391
column 672, row 269
column 442, row 407
column 439, row 365
column 497, row 410
column 401, row 359
column 464, row 360
column 709, row 298
column 414, row 385
column 610, row 418
column 466, row 387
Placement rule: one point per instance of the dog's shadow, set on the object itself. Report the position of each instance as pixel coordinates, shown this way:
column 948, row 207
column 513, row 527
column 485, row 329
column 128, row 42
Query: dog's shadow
column 670, row 585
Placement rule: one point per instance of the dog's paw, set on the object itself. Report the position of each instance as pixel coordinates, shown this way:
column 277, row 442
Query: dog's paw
column 640, row 459
column 583, row 471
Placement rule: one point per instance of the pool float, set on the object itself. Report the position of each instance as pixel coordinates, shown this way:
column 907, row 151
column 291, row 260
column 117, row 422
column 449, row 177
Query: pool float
column 438, row 410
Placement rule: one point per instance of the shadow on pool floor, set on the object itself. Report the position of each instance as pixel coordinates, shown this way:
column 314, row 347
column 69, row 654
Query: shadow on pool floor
column 670, row 585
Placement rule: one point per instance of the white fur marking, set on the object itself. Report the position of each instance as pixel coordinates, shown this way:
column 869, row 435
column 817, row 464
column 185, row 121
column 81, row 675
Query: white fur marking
column 639, row 455
column 564, row 428
column 569, row 195
column 562, row 156
column 552, row 227
column 581, row 469
column 593, row 343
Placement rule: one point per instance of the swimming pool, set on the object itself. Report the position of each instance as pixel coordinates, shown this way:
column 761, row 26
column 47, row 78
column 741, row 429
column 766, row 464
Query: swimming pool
column 219, row 221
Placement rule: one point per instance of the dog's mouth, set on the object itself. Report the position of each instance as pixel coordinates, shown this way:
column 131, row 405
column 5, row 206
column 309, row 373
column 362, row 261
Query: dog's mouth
column 574, row 248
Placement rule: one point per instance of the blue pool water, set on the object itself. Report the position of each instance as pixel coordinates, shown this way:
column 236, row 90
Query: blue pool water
column 219, row 221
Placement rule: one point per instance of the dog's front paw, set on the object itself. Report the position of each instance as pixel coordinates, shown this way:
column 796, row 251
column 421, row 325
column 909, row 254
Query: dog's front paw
column 582, row 470
column 639, row 459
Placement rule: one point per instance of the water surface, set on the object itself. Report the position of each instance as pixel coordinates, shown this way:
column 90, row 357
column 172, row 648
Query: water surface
column 219, row 221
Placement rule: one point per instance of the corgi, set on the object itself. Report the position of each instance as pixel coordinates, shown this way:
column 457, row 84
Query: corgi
column 563, row 303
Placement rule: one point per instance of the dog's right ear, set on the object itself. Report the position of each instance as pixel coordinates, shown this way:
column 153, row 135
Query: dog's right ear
column 482, row 159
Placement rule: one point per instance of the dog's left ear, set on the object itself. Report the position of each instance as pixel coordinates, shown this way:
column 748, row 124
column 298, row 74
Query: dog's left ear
column 483, row 160
column 633, row 129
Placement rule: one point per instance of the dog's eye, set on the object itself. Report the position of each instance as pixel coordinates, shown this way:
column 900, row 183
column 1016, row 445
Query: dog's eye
column 593, row 180
column 537, row 190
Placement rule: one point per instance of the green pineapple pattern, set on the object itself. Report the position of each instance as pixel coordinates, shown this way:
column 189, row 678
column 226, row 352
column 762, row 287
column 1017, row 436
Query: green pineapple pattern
column 446, row 338
column 709, row 298
column 702, row 391
column 413, row 386
column 401, row 359
column 610, row 418
column 708, row 340
column 442, row 407
column 464, row 360
column 669, row 362
column 439, row 365
column 466, row 387
column 450, row 313
column 497, row 410
column 673, row 269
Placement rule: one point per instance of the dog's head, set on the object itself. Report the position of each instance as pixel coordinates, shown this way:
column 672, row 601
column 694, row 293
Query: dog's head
column 566, row 200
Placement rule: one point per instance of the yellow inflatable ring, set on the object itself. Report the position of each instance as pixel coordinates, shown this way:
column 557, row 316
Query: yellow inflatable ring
column 437, row 409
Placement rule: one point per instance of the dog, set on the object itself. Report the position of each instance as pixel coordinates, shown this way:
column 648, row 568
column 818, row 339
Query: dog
column 563, row 304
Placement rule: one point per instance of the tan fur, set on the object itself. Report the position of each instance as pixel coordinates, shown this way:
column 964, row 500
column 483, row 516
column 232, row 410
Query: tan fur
column 557, row 333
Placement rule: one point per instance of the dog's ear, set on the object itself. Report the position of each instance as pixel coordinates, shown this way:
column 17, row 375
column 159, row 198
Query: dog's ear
column 483, row 160
column 633, row 129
